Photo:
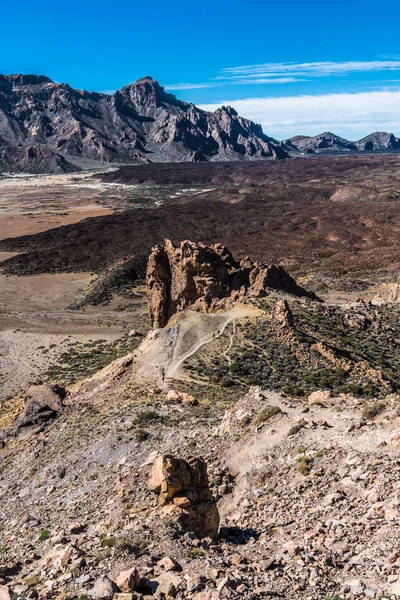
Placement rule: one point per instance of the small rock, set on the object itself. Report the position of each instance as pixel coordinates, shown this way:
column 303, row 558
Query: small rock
column 167, row 564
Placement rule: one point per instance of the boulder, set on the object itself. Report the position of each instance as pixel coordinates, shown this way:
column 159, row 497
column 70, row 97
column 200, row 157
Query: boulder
column 395, row 589
column 167, row 584
column 104, row 589
column 183, row 486
column 319, row 397
column 177, row 397
column 42, row 403
column 6, row 593
column 128, row 580
column 167, row 563
column 194, row 274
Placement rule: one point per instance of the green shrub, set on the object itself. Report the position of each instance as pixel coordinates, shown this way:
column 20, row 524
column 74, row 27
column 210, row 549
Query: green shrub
column 146, row 417
column 32, row 581
column 132, row 544
column 370, row 411
column 108, row 542
column 267, row 413
column 195, row 553
column 44, row 535
column 297, row 427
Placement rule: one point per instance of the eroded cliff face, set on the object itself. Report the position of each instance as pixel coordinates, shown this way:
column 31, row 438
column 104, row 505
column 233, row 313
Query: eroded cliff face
column 204, row 277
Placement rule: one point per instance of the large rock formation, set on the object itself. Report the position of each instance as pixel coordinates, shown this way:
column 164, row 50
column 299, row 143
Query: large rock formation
column 139, row 123
column 182, row 487
column 193, row 274
column 42, row 403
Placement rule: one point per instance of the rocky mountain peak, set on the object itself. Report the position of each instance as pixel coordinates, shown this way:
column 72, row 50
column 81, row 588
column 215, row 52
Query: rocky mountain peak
column 147, row 92
column 229, row 110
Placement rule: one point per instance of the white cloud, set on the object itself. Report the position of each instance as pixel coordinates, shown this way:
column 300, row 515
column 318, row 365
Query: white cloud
column 189, row 86
column 352, row 116
column 311, row 69
column 252, row 81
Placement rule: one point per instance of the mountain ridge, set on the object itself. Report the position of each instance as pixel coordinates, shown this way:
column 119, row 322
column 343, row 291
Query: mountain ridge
column 139, row 123
column 51, row 127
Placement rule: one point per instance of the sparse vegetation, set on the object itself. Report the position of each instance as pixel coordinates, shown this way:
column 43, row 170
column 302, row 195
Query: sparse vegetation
column 44, row 535
column 322, row 352
column 81, row 360
column 108, row 542
column 145, row 417
column 297, row 427
column 370, row 411
column 141, row 435
column 266, row 414
column 195, row 553
column 132, row 544
column 33, row 581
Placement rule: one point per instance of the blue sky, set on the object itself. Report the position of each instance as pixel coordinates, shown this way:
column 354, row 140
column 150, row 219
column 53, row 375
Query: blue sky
column 296, row 67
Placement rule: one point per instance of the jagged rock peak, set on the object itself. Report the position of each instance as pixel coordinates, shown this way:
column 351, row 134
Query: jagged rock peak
column 146, row 91
column 207, row 278
column 20, row 79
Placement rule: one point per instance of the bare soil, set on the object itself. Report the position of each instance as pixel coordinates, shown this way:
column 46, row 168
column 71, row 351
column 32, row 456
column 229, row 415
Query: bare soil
column 37, row 327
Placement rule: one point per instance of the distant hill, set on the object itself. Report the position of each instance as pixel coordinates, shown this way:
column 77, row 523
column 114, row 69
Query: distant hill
column 47, row 126
column 329, row 142
column 379, row 141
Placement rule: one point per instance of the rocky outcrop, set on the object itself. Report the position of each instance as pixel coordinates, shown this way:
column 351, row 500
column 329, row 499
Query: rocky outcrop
column 182, row 487
column 139, row 123
column 193, row 274
column 42, row 403
column 394, row 293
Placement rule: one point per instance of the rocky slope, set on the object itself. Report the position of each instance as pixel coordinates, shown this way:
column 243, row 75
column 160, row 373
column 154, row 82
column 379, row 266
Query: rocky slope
column 139, row 123
column 307, row 496
column 35, row 158
column 125, row 487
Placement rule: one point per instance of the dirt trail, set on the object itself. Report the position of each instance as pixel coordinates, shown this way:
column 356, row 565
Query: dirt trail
column 162, row 354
